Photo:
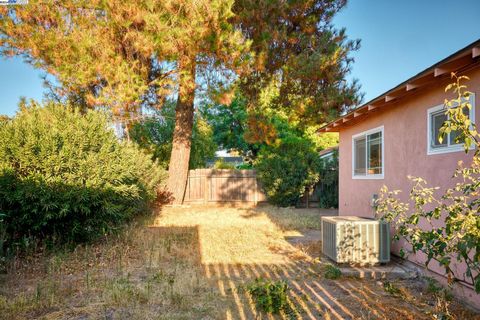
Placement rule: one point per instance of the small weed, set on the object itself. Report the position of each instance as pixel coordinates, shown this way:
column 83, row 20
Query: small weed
column 122, row 289
column 391, row 288
column 432, row 285
column 443, row 297
column 158, row 276
column 272, row 297
column 178, row 300
column 435, row 288
column 332, row 272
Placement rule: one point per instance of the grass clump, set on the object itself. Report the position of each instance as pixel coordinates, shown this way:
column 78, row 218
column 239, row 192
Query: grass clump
column 332, row 272
column 272, row 297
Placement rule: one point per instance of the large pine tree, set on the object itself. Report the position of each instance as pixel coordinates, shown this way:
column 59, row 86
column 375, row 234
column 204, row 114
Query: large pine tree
column 123, row 55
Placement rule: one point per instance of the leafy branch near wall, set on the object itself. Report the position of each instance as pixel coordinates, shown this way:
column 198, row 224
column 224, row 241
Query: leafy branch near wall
column 453, row 217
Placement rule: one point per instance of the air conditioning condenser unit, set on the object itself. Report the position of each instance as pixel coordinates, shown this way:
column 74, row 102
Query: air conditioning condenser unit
column 356, row 240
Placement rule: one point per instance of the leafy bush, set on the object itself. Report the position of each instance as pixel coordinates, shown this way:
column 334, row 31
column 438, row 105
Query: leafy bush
column 286, row 168
column 271, row 297
column 244, row 166
column 64, row 176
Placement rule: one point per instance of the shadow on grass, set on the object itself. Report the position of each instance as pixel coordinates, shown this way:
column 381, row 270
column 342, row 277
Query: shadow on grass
column 159, row 272
column 313, row 297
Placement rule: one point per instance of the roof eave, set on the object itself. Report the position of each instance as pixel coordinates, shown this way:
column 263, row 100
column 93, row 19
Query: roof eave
column 470, row 55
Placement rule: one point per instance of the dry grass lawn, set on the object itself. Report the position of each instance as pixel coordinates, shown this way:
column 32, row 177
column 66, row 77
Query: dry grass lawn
column 194, row 263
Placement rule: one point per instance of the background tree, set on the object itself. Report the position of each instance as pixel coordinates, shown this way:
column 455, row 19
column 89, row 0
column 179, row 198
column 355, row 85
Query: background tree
column 155, row 134
column 230, row 126
column 236, row 128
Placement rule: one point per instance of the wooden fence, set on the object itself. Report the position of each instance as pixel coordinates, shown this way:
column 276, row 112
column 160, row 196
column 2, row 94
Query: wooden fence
column 223, row 186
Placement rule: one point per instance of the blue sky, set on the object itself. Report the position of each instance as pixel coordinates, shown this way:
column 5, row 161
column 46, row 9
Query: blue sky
column 399, row 39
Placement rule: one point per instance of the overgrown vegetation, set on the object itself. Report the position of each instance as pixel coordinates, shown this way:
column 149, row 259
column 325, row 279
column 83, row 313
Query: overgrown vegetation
column 454, row 233
column 125, row 58
column 272, row 297
column 391, row 288
column 64, row 177
column 283, row 150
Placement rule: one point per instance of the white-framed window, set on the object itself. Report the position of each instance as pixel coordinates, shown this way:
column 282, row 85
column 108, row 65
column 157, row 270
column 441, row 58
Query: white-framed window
column 367, row 154
column 435, row 118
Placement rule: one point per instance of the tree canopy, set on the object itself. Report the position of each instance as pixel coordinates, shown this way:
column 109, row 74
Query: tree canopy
column 123, row 56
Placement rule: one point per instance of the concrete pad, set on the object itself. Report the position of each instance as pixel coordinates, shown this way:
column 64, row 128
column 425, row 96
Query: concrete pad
column 390, row 271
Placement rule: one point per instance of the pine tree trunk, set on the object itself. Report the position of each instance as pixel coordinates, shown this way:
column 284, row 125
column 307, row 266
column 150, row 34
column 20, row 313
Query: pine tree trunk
column 182, row 134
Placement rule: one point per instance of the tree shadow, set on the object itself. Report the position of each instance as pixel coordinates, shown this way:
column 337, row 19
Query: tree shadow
column 312, row 296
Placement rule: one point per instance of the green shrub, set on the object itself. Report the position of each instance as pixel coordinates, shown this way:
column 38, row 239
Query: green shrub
column 332, row 272
column 271, row 297
column 286, row 168
column 64, row 176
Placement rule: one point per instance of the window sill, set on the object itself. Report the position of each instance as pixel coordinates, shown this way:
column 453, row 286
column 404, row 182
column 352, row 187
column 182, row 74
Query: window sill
column 459, row 148
column 369, row 177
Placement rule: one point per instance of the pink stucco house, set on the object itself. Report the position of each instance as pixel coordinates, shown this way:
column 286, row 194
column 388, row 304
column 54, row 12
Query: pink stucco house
column 394, row 135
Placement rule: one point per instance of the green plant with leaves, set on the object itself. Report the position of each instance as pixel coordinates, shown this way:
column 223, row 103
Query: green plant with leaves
column 453, row 217
column 391, row 288
column 65, row 177
column 272, row 297
column 230, row 126
column 287, row 167
column 332, row 272
column 245, row 130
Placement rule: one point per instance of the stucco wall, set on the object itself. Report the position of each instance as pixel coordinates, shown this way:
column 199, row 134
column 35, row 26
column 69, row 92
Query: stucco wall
column 405, row 151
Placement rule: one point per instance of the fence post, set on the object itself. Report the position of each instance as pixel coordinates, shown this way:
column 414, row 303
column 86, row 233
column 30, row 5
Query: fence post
column 205, row 186
column 255, row 190
column 308, row 198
